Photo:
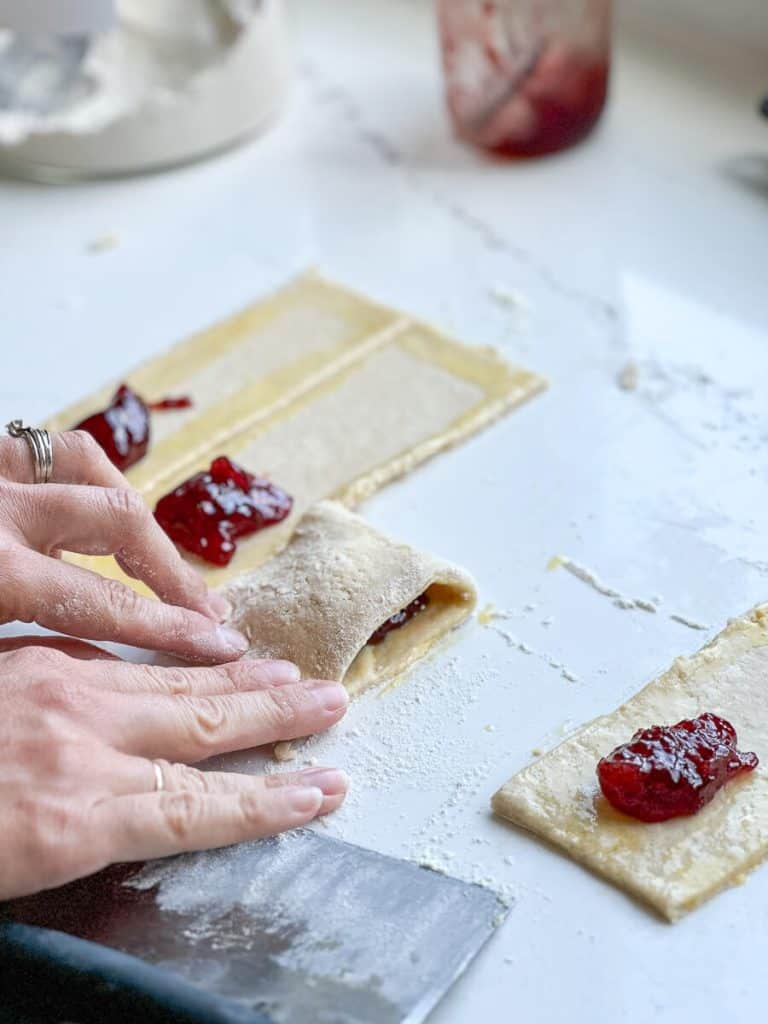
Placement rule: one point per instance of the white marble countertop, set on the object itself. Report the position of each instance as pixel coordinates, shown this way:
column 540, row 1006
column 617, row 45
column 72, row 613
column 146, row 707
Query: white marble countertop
column 648, row 243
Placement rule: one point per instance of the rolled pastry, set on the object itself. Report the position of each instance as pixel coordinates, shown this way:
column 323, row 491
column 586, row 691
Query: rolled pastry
column 672, row 865
column 319, row 601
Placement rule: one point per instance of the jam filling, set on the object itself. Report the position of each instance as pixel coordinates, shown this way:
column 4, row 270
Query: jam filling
column 208, row 512
column 670, row 771
column 122, row 429
column 182, row 402
column 399, row 619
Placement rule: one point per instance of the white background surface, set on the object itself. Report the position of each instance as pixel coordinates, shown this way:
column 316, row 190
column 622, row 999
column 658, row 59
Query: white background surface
column 649, row 242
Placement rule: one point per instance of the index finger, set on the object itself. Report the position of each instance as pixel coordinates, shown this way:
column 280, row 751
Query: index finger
column 77, row 459
column 114, row 521
column 73, row 600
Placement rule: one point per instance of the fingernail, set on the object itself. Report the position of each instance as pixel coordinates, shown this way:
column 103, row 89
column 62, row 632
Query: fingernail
column 231, row 639
column 279, row 673
column 332, row 696
column 219, row 605
column 304, row 799
column 332, row 781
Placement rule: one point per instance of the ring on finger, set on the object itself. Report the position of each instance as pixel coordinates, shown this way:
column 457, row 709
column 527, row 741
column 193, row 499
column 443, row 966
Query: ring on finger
column 39, row 442
column 159, row 777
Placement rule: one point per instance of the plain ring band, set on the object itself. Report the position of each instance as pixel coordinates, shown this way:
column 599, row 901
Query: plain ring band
column 40, row 446
column 159, row 778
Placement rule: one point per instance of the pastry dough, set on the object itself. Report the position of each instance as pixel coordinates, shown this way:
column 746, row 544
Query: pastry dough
column 282, row 343
column 673, row 865
column 318, row 602
column 325, row 392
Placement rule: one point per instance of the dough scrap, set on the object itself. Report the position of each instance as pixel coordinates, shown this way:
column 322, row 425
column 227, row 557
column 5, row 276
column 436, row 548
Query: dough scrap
column 318, row 602
column 674, row 865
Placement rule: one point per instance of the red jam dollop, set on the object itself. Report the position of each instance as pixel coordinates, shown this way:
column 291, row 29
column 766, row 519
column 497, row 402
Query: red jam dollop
column 211, row 510
column 671, row 771
column 399, row 619
column 122, row 429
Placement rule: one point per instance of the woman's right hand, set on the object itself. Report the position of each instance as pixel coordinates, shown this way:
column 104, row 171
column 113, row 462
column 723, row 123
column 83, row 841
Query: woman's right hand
column 79, row 735
column 90, row 508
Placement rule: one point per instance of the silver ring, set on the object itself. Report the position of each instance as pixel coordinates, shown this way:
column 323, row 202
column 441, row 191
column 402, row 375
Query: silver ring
column 40, row 446
column 159, row 779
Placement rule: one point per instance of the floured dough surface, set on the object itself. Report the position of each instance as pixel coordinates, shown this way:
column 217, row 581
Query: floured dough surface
column 289, row 336
column 326, row 392
column 318, row 602
column 672, row 865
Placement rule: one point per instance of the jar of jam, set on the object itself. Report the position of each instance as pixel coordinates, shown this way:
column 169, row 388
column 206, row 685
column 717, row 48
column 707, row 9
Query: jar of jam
column 525, row 77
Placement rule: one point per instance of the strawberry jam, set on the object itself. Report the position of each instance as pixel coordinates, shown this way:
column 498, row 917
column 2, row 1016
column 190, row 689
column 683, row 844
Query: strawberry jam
column 670, row 771
column 122, row 429
column 211, row 510
column 166, row 404
column 399, row 619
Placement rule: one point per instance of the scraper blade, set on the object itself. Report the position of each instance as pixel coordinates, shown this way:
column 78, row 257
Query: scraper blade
column 295, row 929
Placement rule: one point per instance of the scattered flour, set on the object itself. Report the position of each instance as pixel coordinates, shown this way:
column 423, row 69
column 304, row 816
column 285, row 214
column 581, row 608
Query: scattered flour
column 593, row 580
column 430, row 785
column 628, row 377
column 706, row 411
column 104, row 243
column 690, row 623
column 486, row 614
column 619, row 600
column 513, row 641
column 509, row 298
column 519, row 645
column 284, row 751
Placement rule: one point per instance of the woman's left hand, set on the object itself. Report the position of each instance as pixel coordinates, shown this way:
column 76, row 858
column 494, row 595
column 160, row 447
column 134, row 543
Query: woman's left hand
column 81, row 735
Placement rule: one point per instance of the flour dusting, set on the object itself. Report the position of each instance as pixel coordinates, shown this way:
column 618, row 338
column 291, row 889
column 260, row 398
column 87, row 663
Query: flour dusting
column 618, row 599
column 431, row 784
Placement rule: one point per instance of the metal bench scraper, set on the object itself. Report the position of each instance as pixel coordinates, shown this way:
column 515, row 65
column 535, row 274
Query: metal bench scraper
column 285, row 931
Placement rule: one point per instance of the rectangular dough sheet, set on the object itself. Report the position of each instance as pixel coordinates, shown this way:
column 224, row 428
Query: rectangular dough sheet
column 319, row 601
column 241, row 368
column 674, row 865
column 327, row 393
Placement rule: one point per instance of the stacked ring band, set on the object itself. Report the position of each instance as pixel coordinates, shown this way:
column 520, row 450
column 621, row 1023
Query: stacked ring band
column 40, row 446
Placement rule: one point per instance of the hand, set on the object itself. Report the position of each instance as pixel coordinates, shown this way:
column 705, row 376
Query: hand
column 91, row 509
column 78, row 735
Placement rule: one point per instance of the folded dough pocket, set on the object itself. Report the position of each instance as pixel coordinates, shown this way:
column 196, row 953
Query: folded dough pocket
column 344, row 601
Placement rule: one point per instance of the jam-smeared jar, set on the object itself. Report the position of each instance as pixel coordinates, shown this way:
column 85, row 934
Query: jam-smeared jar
column 208, row 512
column 399, row 619
column 525, row 77
column 671, row 771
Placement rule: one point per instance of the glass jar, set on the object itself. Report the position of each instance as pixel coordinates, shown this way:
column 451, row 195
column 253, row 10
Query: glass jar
column 525, row 77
